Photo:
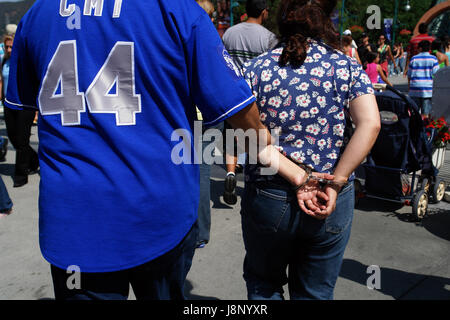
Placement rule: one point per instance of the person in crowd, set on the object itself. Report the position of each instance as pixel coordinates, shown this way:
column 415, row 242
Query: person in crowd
column 364, row 48
column 6, row 203
column 244, row 41
column 395, row 53
column 446, row 44
column 119, row 192
column 436, row 48
column 399, row 58
column 349, row 50
column 303, row 90
column 374, row 70
column 204, row 207
column 385, row 52
column 18, row 126
column 223, row 17
column 421, row 70
column 348, row 33
column 413, row 47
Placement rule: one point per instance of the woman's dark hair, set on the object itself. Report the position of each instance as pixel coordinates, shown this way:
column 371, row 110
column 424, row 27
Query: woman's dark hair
column 299, row 20
column 446, row 41
column 371, row 56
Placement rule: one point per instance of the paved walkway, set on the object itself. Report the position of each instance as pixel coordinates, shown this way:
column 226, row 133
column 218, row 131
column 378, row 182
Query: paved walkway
column 413, row 257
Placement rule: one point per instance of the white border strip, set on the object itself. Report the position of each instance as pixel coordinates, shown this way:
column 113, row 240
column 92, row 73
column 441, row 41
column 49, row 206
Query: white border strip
column 19, row 105
column 225, row 114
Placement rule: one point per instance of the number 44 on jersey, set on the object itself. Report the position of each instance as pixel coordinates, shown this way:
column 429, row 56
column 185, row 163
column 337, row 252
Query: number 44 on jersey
column 112, row 90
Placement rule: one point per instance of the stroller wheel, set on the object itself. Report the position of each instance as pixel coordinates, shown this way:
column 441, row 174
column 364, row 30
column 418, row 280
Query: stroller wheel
column 438, row 190
column 420, row 204
column 425, row 185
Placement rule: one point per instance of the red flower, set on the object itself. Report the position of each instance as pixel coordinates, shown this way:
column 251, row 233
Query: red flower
column 443, row 133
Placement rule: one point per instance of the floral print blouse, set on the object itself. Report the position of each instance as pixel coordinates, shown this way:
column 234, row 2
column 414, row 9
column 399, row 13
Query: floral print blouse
column 305, row 106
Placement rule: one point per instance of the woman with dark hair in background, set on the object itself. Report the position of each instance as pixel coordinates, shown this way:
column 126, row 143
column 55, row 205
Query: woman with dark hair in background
column 348, row 49
column 436, row 48
column 446, row 43
column 385, row 52
column 18, row 126
column 374, row 70
column 303, row 90
column 400, row 58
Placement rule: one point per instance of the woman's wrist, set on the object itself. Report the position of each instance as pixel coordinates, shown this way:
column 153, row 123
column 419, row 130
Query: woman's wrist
column 340, row 180
column 301, row 179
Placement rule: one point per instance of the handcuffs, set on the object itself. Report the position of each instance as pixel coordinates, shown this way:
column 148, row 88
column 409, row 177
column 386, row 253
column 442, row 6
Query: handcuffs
column 322, row 182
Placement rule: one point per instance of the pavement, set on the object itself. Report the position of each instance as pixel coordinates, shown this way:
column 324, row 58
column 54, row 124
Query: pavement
column 412, row 257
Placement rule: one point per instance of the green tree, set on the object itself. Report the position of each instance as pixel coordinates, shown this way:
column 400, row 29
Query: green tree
column 355, row 14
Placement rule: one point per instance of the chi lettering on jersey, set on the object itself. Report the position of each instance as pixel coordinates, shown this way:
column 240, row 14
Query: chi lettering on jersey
column 90, row 6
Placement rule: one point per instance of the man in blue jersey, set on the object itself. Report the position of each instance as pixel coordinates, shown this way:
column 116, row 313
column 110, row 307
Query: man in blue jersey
column 114, row 81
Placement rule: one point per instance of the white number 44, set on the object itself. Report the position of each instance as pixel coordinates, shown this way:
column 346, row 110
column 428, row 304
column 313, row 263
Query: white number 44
column 60, row 89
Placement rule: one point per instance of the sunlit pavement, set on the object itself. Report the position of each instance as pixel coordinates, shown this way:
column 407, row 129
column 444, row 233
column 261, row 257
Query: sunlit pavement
column 412, row 257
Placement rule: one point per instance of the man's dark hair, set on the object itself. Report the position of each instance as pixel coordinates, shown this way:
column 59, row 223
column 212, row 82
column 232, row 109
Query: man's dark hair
column 254, row 8
column 423, row 28
column 424, row 45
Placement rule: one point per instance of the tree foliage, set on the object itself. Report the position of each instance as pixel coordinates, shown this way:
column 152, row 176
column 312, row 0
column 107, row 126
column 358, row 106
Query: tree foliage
column 356, row 14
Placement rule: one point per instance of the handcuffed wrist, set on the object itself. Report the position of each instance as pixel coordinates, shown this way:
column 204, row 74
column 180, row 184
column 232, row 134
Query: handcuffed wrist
column 308, row 175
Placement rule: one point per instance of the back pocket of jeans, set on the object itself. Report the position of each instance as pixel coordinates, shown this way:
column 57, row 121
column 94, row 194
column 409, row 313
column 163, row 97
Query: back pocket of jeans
column 268, row 208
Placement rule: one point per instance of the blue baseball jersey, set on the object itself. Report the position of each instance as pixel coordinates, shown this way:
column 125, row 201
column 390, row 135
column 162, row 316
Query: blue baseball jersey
column 114, row 81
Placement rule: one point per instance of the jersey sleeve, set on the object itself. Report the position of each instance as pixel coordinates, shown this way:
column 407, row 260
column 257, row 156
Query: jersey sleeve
column 360, row 82
column 218, row 87
column 23, row 86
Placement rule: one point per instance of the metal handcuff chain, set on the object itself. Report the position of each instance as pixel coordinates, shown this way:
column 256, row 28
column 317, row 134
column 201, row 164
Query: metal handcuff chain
column 321, row 181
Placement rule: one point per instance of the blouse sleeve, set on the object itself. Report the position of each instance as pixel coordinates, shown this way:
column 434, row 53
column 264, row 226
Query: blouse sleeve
column 360, row 83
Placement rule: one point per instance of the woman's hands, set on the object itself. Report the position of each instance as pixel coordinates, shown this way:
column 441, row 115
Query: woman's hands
column 317, row 201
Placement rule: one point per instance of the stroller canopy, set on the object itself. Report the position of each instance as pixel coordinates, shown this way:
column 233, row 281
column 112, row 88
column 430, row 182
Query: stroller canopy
column 402, row 143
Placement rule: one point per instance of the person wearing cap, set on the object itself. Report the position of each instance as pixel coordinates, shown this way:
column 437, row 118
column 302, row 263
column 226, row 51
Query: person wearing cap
column 349, row 33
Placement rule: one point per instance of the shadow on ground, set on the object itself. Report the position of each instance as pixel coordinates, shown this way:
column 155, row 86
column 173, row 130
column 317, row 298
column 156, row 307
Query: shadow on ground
column 188, row 293
column 399, row 284
column 371, row 204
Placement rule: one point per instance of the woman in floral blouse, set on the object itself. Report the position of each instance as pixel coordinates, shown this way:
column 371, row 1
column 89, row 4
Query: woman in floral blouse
column 303, row 89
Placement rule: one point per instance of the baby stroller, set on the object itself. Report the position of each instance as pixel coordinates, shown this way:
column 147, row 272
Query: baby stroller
column 399, row 167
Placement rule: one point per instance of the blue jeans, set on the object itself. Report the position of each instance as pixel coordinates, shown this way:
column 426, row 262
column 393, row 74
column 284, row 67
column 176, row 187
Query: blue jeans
column 5, row 201
column 160, row 279
column 424, row 105
column 278, row 235
column 204, row 206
